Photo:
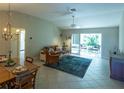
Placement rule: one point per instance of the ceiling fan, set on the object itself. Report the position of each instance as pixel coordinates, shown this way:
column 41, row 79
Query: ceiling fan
column 73, row 10
column 70, row 12
column 65, row 12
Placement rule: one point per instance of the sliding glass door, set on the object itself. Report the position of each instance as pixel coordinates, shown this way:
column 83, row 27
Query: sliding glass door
column 75, row 44
column 86, row 44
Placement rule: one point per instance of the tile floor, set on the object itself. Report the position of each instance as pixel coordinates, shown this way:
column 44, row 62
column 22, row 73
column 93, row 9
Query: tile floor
column 96, row 77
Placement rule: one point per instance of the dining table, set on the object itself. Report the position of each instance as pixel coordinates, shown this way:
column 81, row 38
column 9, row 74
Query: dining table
column 6, row 72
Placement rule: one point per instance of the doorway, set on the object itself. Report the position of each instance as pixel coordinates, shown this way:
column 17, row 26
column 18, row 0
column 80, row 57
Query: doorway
column 86, row 45
column 18, row 45
column 22, row 47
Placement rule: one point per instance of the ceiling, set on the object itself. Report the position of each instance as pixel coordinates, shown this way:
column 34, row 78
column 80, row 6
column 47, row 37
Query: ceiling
column 87, row 15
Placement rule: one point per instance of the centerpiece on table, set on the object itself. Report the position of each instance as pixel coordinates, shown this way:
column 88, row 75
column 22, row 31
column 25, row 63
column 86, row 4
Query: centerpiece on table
column 10, row 62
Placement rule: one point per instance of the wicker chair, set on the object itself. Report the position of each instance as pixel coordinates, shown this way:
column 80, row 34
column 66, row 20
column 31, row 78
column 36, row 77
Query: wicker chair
column 52, row 58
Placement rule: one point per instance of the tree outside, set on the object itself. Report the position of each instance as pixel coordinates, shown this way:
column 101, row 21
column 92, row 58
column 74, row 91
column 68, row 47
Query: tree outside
column 90, row 41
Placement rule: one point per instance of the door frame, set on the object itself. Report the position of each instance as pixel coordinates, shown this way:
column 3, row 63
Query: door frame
column 78, row 44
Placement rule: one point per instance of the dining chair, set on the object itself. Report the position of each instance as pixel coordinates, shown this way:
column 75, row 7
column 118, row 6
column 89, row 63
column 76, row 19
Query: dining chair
column 34, row 73
column 29, row 59
column 3, row 86
column 25, row 80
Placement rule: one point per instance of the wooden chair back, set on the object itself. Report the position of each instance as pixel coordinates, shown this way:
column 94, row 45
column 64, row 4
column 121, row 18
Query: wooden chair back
column 34, row 73
column 29, row 59
column 26, row 80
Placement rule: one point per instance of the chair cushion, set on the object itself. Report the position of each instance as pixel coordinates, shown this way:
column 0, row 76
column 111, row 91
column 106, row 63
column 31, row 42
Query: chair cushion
column 51, row 50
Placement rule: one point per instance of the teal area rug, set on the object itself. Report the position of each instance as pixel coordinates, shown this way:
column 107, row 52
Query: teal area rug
column 73, row 65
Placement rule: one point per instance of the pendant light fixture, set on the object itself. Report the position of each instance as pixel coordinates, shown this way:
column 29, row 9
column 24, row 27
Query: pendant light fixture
column 7, row 33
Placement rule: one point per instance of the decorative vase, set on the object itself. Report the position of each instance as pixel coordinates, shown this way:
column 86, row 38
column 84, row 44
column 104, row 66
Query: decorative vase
column 10, row 62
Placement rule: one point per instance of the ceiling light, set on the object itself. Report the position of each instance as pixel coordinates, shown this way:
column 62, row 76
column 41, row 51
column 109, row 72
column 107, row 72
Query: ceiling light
column 7, row 33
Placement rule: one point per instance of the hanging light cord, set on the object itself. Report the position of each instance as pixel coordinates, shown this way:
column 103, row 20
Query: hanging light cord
column 73, row 18
column 9, row 13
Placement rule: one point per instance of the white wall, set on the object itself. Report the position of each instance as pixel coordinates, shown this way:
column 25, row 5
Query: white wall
column 121, row 34
column 43, row 32
column 110, row 37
